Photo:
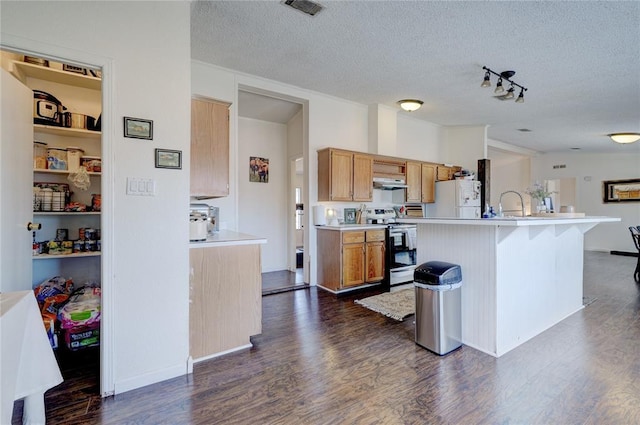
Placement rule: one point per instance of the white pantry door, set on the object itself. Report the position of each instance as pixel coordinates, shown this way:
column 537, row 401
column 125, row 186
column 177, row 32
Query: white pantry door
column 16, row 187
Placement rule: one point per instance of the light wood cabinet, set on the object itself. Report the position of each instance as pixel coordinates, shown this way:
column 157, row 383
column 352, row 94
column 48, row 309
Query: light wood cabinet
column 353, row 266
column 374, row 255
column 414, row 182
column 351, row 258
column 362, row 177
column 209, row 148
column 225, row 298
column 444, row 173
column 428, row 183
column 344, row 176
column 421, row 182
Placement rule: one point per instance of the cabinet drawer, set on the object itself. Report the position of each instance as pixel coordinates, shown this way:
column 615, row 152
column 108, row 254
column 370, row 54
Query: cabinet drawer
column 375, row 235
column 353, row 237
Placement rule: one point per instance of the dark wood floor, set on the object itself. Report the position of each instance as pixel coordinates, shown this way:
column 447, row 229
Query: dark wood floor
column 282, row 281
column 323, row 360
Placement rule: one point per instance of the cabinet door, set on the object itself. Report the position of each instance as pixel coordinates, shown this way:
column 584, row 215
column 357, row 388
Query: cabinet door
column 341, row 176
column 444, row 173
column 16, row 145
column 362, row 178
column 209, row 149
column 375, row 261
column 414, row 182
column 352, row 264
column 428, row 183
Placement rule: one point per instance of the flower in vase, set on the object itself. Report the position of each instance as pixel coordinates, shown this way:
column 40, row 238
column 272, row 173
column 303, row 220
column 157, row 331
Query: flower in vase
column 538, row 191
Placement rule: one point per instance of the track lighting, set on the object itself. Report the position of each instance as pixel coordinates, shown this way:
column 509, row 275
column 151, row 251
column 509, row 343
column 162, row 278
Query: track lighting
column 503, row 76
column 624, row 137
column 410, row 105
column 486, row 82
column 510, row 93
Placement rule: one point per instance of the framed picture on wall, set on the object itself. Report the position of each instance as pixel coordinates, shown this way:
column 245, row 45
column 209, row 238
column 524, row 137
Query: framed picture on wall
column 258, row 169
column 168, row 158
column 621, row 190
column 138, row 128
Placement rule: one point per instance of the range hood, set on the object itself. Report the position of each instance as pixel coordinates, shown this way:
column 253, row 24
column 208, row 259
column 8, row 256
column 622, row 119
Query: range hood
column 388, row 183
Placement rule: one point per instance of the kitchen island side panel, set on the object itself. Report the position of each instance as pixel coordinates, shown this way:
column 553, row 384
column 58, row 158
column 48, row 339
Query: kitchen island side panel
column 539, row 280
column 473, row 248
column 226, row 298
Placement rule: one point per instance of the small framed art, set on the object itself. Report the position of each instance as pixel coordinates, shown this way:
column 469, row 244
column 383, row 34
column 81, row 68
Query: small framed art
column 137, row 128
column 349, row 216
column 167, row 158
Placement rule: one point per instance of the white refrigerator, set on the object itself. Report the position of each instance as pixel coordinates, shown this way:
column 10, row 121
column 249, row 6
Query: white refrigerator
column 456, row 198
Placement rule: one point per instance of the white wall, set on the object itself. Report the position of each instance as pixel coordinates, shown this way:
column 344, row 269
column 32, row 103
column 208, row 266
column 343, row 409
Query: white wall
column 509, row 171
column 145, row 49
column 419, row 139
column 590, row 170
column 464, row 146
column 263, row 207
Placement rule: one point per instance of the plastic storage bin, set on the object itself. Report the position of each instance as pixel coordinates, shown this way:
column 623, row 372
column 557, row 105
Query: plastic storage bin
column 438, row 306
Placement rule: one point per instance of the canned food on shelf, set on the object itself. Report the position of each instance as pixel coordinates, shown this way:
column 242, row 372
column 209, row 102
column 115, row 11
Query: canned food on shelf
column 91, row 163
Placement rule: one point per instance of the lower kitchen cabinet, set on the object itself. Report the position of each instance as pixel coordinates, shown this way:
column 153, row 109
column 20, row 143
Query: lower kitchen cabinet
column 350, row 258
column 225, row 299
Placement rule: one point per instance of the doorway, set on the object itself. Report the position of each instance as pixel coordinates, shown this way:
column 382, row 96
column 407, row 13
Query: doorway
column 54, row 175
column 271, row 126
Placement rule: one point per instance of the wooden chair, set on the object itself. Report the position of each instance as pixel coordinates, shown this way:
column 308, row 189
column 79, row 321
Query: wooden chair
column 635, row 234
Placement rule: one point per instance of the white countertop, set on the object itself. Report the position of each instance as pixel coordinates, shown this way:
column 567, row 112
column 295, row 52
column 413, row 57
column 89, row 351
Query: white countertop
column 508, row 221
column 342, row 227
column 228, row 238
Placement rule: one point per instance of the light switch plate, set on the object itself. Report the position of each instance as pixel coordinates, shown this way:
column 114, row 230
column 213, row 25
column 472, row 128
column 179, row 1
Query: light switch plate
column 141, row 187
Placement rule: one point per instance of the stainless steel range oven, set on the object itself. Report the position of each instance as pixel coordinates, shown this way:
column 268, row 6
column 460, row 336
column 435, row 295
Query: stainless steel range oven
column 401, row 253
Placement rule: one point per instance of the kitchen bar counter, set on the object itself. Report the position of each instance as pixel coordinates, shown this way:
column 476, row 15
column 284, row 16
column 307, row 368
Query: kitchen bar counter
column 225, row 293
column 342, row 227
column 520, row 276
column 509, row 221
column 228, row 238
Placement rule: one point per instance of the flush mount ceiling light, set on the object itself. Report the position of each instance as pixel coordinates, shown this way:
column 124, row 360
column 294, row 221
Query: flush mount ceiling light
column 503, row 76
column 624, row 137
column 410, row 105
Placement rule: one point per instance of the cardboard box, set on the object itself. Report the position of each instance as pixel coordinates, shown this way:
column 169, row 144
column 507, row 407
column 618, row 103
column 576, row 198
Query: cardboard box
column 82, row 337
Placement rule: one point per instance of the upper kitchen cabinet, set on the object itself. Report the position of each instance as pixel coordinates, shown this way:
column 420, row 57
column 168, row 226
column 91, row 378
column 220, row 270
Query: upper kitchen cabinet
column 209, row 148
column 421, row 182
column 447, row 172
column 344, row 176
column 428, row 183
column 414, row 182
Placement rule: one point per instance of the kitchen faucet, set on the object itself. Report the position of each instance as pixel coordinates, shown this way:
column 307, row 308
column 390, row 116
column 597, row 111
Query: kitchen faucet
column 500, row 201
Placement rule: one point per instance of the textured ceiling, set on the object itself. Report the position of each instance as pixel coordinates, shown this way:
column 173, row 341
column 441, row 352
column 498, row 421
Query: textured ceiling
column 579, row 60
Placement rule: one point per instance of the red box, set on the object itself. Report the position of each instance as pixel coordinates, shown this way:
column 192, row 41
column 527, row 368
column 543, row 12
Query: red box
column 82, row 337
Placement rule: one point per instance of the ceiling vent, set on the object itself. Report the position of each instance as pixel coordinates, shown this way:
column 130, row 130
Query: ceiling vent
column 305, row 6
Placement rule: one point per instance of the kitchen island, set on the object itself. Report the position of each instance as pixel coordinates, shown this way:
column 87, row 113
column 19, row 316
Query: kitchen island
column 520, row 275
column 225, row 293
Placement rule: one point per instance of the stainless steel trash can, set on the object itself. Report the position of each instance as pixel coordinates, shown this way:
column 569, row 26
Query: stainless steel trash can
column 438, row 312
